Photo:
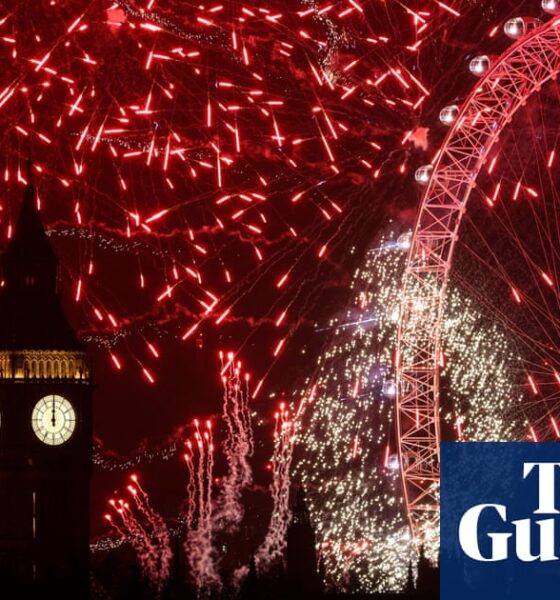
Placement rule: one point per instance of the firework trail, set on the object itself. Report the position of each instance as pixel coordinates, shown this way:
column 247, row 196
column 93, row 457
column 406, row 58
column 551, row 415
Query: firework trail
column 147, row 533
column 190, row 500
column 141, row 542
column 237, row 446
column 159, row 531
column 273, row 546
column 182, row 132
column 199, row 546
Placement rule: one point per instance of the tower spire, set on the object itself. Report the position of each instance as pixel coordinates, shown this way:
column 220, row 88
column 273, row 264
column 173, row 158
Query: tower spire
column 29, row 169
column 30, row 309
column 29, row 259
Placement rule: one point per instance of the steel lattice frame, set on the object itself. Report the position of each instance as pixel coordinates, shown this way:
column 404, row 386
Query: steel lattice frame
column 513, row 77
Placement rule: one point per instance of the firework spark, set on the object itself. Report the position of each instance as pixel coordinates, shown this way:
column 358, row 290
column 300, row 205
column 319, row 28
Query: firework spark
column 168, row 140
column 347, row 447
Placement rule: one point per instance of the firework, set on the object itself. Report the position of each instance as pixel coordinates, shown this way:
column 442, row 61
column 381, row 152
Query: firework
column 237, row 446
column 347, row 448
column 274, row 543
column 199, row 546
column 168, row 139
column 146, row 531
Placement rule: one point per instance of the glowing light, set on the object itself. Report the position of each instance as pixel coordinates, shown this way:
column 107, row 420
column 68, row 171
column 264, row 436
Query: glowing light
column 344, row 447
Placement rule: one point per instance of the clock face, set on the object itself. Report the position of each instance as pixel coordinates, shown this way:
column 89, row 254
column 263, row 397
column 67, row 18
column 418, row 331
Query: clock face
column 53, row 420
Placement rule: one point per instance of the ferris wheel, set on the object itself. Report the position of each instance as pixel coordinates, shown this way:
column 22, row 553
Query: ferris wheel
column 489, row 221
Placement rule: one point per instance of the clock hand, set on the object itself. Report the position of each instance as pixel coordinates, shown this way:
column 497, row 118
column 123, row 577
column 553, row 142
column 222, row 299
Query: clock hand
column 53, row 417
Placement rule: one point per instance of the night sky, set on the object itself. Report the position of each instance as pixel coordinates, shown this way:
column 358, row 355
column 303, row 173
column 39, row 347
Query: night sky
column 134, row 201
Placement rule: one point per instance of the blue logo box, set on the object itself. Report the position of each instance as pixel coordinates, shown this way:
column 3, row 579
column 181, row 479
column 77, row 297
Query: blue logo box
column 500, row 521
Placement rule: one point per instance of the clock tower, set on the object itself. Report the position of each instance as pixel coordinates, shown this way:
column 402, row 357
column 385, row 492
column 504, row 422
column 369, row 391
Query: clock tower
column 45, row 424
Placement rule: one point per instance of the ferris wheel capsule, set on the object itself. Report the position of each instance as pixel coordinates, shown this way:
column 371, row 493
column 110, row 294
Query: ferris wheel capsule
column 403, row 241
column 423, row 174
column 480, row 64
column 552, row 7
column 448, row 114
column 389, row 388
column 519, row 26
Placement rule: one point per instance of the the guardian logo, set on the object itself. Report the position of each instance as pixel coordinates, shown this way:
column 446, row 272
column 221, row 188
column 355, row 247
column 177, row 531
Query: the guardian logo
column 500, row 521
column 546, row 528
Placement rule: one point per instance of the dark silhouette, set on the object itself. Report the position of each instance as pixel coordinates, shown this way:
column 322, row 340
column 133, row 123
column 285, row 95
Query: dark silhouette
column 45, row 425
column 301, row 575
column 410, row 587
column 251, row 586
column 427, row 583
column 302, row 568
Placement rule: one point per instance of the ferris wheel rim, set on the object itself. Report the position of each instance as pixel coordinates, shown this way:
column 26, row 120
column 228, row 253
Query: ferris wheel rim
column 514, row 76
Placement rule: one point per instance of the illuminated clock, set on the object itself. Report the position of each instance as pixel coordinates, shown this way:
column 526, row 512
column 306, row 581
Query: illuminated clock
column 53, row 420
